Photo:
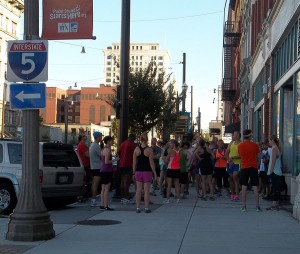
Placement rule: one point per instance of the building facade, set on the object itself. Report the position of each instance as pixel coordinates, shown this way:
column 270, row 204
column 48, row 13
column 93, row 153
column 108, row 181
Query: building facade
column 141, row 54
column 265, row 76
column 10, row 14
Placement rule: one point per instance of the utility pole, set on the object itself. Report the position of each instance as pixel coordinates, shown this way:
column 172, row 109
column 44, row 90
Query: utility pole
column 30, row 220
column 124, row 71
column 199, row 120
column 184, row 86
column 66, row 113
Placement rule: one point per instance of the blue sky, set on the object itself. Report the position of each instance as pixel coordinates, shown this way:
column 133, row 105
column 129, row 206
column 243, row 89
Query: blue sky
column 191, row 26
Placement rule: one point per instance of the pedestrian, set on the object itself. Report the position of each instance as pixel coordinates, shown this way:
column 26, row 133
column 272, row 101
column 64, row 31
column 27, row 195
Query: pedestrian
column 156, row 156
column 185, row 158
column 206, row 169
column 249, row 152
column 219, row 155
column 275, row 171
column 83, row 152
column 173, row 170
column 125, row 153
column 195, row 170
column 95, row 162
column 234, row 165
column 163, row 167
column 106, row 172
column 263, row 169
column 143, row 172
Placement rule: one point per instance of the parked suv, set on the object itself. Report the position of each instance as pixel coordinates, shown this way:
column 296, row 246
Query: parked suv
column 61, row 172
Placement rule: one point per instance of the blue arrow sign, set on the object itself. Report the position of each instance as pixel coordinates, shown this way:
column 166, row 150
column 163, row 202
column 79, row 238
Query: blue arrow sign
column 27, row 96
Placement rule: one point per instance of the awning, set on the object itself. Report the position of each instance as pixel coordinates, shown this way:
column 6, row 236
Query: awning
column 231, row 128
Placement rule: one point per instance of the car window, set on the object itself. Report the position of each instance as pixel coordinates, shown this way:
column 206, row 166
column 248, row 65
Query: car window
column 1, row 153
column 60, row 158
column 14, row 153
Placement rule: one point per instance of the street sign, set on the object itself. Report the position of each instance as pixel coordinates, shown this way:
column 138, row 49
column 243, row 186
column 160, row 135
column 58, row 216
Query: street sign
column 27, row 96
column 27, row 61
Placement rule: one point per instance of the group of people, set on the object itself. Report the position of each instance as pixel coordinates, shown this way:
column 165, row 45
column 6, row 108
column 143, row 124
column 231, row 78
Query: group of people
column 210, row 166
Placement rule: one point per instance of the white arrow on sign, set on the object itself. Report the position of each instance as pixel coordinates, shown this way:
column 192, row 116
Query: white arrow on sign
column 21, row 96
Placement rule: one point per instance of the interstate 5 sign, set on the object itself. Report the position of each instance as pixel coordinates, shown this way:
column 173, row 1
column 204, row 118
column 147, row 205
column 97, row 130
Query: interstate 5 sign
column 27, row 61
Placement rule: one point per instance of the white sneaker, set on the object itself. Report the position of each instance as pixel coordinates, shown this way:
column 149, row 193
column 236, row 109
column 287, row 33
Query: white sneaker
column 94, row 203
column 166, row 201
column 177, row 200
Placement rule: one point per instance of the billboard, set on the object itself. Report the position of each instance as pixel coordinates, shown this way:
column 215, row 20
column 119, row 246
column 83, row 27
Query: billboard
column 67, row 19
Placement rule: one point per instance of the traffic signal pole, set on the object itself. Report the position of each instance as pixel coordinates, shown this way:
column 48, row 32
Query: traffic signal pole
column 30, row 220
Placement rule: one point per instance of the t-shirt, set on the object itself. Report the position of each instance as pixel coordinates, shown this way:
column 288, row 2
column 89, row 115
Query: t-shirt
column 95, row 156
column 248, row 151
column 82, row 149
column 125, row 152
column 156, row 150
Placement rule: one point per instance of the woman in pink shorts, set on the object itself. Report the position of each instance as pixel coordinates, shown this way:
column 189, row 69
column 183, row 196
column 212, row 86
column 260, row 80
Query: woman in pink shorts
column 143, row 171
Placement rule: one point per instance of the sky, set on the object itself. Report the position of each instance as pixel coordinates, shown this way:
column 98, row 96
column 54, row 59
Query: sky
column 191, row 26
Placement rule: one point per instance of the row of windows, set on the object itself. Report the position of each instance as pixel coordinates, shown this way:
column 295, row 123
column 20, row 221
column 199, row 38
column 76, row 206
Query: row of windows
column 96, row 96
column 287, row 53
column 136, row 47
column 9, row 25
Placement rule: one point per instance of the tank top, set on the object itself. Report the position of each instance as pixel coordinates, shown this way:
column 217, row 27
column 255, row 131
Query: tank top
column 234, row 152
column 143, row 163
column 220, row 162
column 106, row 168
column 174, row 162
column 277, row 168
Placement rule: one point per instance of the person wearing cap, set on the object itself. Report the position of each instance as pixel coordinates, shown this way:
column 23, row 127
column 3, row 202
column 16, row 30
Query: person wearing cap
column 249, row 152
column 95, row 162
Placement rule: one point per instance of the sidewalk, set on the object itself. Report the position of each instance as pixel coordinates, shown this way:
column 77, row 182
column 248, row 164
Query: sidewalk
column 192, row 226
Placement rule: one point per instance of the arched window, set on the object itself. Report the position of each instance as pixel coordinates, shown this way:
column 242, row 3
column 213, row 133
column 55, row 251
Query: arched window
column 102, row 113
column 92, row 114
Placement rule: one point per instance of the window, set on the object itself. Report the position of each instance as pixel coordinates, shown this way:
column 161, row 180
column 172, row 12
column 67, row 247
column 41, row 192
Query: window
column 92, row 114
column 108, row 80
column 102, row 113
column 1, row 153
column 0, row 44
column 6, row 25
column 137, row 57
column 160, row 58
column 108, row 74
column 141, row 47
column 108, row 63
column 108, row 69
column 108, row 57
column 153, row 47
column 1, row 20
column 77, row 109
column 141, row 58
column 14, row 28
column 137, row 47
column 15, row 153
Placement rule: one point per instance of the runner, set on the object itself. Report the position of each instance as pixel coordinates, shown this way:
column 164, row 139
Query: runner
column 249, row 151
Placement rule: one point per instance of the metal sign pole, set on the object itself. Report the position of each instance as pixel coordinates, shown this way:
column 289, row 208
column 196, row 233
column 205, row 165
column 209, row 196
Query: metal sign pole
column 30, row 220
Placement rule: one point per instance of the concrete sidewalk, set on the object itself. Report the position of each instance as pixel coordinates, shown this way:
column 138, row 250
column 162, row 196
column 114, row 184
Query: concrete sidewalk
column 192, row 226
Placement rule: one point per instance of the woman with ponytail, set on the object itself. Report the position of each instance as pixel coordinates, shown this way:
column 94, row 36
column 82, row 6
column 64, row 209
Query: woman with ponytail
column 275, row 171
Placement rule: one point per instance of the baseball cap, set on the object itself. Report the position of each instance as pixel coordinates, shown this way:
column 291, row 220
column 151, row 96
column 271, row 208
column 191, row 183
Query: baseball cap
column 97, row 134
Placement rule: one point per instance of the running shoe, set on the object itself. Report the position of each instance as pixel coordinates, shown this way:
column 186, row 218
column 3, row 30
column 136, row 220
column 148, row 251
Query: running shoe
column 138, row 210
column 243, row 209
column 109, row 209
column 94, row 203
column 211, row 198
column 258, row 209
column 147, row 210
column 273, row 208
column 235, row 199
column 102, row 207
column 166, row 201
column 178, row 200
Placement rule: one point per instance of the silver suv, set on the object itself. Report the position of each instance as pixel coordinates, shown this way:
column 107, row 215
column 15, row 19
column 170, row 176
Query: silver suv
column 61, row 172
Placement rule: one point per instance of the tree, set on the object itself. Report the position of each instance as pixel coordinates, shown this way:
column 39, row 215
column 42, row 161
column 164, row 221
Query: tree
column 169, row 113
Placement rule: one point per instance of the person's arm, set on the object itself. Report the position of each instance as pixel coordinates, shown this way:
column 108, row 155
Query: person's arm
column 228, row 151
column 168, row 157
column 134, row 162
column 152, row 164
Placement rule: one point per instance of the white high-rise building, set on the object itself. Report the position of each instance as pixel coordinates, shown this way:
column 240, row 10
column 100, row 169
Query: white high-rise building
column 141, row 54
column 10, row 16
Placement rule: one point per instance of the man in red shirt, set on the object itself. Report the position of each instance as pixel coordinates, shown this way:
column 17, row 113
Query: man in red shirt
column 83, row 152
column 249, row 152
column 125, row 153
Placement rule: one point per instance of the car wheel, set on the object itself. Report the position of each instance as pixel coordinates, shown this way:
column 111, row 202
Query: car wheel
column 8, row 199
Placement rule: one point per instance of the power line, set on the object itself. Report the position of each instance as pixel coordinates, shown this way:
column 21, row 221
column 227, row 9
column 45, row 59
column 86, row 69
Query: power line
column 161, row 19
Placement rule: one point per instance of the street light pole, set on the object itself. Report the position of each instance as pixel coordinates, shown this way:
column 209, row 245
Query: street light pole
column 124, row 71
column 30, row 220
column 66, row 107
column 199, row 120
column 192, row 122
